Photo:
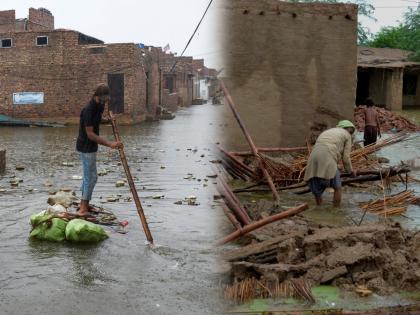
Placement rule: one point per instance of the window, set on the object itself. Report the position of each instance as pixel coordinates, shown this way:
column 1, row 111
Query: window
column 42, row 40
column 6, row 43
column 409, row 84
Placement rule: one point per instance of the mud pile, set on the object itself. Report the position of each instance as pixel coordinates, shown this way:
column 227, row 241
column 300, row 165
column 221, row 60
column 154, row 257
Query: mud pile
column 381, row 257
column 388, row 120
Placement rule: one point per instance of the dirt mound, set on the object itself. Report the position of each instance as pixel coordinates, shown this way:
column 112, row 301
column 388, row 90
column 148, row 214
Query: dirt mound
column 381, row 257
column 388, row 120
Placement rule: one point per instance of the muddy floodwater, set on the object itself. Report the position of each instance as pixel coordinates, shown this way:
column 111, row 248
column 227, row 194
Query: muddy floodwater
column 170, row 160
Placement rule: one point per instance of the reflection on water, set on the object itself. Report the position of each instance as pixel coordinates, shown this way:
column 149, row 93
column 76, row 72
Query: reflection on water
column 121, row 275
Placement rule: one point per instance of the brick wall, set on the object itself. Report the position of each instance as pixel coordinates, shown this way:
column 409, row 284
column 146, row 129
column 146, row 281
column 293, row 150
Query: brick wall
column 170, row 101
column 67, row 73
column 154, row 79
column 40, row 19
column 290, row 68
column 7, row 21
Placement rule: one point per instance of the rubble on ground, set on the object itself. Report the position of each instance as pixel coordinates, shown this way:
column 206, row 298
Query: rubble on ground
column 389, row 120
column 381, row 257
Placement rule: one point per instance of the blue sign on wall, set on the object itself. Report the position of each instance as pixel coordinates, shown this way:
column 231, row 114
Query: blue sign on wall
column 28, row 98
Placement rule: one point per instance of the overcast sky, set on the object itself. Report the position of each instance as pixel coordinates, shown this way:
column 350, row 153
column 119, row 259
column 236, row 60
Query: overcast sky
column 388, row 13
column 161, row 22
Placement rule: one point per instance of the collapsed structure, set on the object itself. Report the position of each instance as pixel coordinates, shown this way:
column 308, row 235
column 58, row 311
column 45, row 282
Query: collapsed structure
column 49, row 73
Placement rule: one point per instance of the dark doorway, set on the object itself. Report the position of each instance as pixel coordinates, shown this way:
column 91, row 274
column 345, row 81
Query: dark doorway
column 116, row 85
column 169, row 83
column 362, row 92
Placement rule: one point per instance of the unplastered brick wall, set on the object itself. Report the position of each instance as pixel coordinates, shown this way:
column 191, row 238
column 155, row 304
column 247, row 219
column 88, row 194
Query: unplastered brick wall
column 170, row 101
column 67, row 74
column 290, row 67
column 184, row 82
column 7, row 21
column 154, row 78
column 40, row 19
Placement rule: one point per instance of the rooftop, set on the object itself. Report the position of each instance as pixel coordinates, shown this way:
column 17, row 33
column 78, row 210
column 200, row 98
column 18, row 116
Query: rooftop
column 368, row 57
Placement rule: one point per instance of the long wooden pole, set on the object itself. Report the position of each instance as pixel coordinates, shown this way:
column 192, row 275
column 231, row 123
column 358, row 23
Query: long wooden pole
column 130, row 180
column 250, row 142
column 255, row 225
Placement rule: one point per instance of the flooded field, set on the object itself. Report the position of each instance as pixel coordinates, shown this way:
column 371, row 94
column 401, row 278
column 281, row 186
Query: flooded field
column 122, row 275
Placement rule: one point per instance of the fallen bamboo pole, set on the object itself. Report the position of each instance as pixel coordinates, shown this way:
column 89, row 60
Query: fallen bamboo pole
column 253, row 226
column 237, row 167
column 234, row 203
column 363, row 178
column 230, row 216
column 130, row 180
column 268, row 150
column 254, row 188
column 250, row 141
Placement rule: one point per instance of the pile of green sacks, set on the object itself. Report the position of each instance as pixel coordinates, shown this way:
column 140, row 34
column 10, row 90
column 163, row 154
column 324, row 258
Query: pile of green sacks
column 47, row 227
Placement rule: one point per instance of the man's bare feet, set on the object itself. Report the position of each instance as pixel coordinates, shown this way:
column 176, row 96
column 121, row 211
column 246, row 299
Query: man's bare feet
column 84, row 208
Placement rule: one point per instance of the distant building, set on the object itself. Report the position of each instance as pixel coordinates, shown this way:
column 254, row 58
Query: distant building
column 50, row 74
column 387, row 77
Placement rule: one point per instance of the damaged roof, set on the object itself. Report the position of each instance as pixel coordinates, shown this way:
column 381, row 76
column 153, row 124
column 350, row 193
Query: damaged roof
column 368, row 57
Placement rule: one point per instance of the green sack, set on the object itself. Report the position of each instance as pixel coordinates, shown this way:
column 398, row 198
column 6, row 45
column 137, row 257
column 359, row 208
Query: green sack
column 78, row 230
column 36, row 219
column 47, row 229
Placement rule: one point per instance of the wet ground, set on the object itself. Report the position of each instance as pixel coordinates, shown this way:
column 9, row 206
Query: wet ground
column 122, row 275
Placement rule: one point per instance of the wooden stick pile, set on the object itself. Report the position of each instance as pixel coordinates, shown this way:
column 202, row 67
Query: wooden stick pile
column 285, row 174
column 391, row 205
column 251, row 288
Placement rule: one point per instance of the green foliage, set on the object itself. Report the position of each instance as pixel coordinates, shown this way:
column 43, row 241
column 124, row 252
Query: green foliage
column 365, row 9
column 404, row 36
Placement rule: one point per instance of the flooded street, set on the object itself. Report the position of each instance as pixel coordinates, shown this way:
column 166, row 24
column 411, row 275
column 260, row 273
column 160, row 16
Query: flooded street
column 122, row 275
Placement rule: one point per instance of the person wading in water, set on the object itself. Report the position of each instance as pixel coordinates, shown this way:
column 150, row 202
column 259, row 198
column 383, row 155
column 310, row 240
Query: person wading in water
column 322, row 171
column 88, row 140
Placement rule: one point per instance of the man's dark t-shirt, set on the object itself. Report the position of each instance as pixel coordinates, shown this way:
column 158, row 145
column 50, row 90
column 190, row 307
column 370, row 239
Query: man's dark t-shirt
column 90, row 116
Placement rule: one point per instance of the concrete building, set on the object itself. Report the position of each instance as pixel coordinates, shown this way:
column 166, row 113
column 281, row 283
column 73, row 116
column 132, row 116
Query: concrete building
column 290, row 67
column 387, row 77
column 50, row 74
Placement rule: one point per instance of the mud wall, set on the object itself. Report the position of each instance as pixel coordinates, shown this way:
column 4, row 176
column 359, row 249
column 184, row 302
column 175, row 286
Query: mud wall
column 291, row 68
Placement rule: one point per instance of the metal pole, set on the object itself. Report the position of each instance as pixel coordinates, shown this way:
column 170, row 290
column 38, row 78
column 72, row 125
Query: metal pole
column 130, row 181
column 254, row 149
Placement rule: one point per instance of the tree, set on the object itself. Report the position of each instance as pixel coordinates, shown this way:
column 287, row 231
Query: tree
column 365, row 9
column 404, row 36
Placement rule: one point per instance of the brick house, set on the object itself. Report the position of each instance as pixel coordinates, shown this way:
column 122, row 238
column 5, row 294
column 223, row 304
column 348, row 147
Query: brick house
column 50, row 74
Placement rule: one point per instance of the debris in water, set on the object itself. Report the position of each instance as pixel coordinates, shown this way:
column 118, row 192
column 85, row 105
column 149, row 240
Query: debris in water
column 69, row 164
column 120, row 183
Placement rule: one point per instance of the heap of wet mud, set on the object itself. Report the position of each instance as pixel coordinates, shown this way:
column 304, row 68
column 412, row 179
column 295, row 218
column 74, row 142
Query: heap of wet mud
column 382, row 257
